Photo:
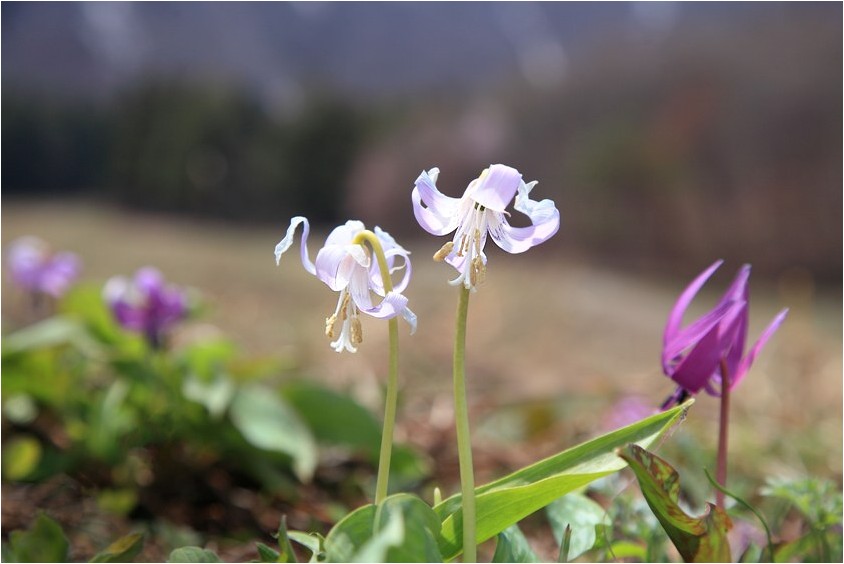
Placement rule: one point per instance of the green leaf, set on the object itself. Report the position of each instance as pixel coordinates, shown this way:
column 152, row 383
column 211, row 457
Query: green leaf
column 697, row 539
column 334, row 418
column 193, row 554
column 267, row 422
column 357, row 537
column 819, row 500
column 123, row 549
column 286, row 550
column 50, row 332
column 21, row 456
column 506, row 501
column 312, row 541
column 582, row 515
column 512, row 546
column 267, row 554
column 44, row 541
column 215, row 395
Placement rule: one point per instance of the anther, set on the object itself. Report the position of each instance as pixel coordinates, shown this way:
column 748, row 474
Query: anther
column 356, row 331
column 446, row 249
column 329, row 325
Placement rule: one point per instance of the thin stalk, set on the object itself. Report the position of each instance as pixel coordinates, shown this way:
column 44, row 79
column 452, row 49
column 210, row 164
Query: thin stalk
column 723, row 434
column 391, row 400
column 464, row 443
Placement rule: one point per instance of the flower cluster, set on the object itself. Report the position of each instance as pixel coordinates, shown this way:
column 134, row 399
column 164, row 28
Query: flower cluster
column 711, row 350
column 146, row 304
column 347, row 267
column 34, row 268
column 481, row 212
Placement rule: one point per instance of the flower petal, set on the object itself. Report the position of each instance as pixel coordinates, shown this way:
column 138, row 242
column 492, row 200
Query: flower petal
column 675, row 318
column 687, row 337
column 747, row 361
column 694, row 371
column 344, row 234
column 496, row 187
column 287, row 241
column 544, row 216
column 336, row 264
column 435, row 212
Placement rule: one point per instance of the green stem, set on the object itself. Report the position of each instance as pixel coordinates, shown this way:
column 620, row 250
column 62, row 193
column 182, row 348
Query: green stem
column 391, row 400
column 464, row 443
column 723, row 434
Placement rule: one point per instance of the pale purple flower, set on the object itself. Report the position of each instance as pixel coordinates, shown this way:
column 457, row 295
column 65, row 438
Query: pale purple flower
column 692, row 356
column 34, row 268
column 627, row 411
column 146, row 304
column 481, row 211
column 348, row 268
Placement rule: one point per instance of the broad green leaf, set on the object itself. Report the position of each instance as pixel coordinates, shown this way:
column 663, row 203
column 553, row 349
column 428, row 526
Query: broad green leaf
column 506, row 501
column 44, row 541
column 267, row 422
column 697, row 539
column 193, row 554
column 333, row 417
column 583, row 515
column 355, row 536
column 47, row 333
column 123, row 549
column 21, row 456
column 215, row 395
column 312, row 541
column 512, row 546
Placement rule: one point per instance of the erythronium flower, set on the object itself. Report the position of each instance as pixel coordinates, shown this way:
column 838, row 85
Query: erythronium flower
column 481, row 211
column 347, row 267
column 695, row 356
column 34, row 268
column 146, row 304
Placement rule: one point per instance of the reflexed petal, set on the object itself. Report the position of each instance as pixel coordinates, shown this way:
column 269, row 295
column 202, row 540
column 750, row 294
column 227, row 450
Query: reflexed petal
column 435, row 212
column 410, row 317
column 747, row 361
column 285, row 243
column 675, row 318
column 545, row 219
column 496, row 187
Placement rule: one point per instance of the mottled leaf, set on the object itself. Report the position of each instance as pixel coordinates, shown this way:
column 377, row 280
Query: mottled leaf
column 697, row 539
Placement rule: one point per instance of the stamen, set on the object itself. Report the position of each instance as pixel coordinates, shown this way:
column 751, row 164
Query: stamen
column 329, row 325
column 356, row 331
column 446, row 249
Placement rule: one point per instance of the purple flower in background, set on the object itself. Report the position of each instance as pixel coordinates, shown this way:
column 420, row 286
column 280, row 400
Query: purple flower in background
column 347, row 268
column 34, row 268
column 693, row 356
column 479, row 212
column 146, row 304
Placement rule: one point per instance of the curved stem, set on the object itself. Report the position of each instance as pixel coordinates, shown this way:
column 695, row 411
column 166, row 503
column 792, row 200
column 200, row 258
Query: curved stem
column 464, row 443
column 723, row 434
column 391, row 400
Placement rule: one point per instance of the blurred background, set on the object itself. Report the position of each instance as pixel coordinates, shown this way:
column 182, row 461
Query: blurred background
column 670, row 134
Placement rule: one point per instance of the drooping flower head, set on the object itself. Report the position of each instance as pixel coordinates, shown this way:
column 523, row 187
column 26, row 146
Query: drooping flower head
column 694, row 356
column 481, row 212
column 347, row 267
column 35, row 269
column 146, row 304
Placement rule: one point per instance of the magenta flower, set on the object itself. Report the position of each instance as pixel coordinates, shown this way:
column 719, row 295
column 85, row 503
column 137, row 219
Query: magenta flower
column 692, row 356
column 34, row 268
column 146, row 304
column 481, row 211
column 348, row 268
